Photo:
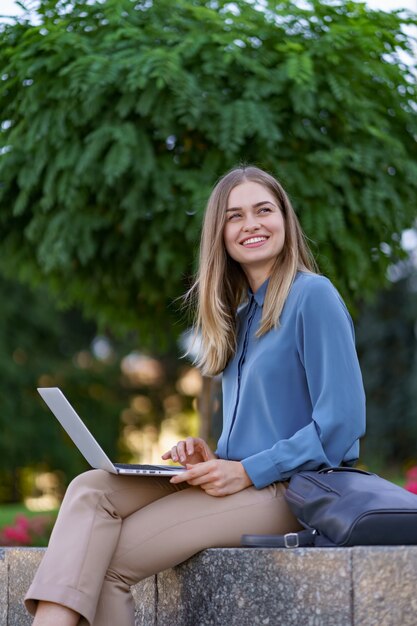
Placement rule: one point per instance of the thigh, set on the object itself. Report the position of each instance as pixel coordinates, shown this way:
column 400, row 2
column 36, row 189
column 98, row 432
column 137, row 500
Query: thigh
column 171, row 530
column 119, row 495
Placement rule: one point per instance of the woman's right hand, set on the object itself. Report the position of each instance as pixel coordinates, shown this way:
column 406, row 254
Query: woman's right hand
column 190, row 451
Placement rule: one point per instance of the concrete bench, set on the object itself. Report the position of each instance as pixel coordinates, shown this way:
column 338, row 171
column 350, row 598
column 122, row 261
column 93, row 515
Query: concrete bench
column 362, row 586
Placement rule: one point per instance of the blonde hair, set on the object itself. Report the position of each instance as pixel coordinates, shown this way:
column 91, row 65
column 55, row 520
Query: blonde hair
column 221, row 286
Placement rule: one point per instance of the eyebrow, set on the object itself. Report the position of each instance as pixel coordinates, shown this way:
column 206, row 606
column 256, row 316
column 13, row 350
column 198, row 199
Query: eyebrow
column 237, row 208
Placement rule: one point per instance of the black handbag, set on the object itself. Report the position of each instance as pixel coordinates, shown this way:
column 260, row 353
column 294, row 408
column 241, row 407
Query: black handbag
column 344, row 506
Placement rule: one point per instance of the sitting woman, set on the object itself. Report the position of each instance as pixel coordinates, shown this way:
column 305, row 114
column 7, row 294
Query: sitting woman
column 293, row 399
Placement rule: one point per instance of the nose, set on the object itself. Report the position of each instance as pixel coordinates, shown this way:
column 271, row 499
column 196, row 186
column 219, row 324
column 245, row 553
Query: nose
column 251, row 224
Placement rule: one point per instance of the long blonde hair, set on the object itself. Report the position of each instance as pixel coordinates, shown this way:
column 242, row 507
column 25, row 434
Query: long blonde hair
column 221, row 286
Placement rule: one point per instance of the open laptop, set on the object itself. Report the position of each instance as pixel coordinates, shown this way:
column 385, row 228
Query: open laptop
column 88, row 446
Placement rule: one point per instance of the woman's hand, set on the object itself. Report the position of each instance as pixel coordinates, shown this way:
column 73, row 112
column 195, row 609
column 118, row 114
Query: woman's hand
column 191, row 450
column 217, row 477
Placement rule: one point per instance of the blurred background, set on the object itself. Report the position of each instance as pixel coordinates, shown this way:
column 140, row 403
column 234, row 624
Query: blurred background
column 117, row 116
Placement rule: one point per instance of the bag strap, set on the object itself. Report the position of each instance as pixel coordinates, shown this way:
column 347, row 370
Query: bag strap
column 289, row 540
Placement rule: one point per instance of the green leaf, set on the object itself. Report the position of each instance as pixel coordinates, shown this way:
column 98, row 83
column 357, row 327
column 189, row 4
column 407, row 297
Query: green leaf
column 117, row 119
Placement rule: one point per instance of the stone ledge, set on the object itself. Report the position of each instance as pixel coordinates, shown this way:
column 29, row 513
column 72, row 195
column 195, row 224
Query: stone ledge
column 361, row 586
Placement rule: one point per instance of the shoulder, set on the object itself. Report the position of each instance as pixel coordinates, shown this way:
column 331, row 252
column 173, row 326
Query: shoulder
column 316, row 293
column 314, row 285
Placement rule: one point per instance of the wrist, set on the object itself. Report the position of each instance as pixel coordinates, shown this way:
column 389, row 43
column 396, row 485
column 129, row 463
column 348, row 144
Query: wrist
column 245, row 477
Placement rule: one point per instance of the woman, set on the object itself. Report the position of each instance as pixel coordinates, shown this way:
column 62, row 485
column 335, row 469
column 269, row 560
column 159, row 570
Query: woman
column 293, row 399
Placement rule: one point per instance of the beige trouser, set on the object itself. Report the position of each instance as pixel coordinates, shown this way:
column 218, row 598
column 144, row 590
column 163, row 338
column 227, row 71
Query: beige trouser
column 113, row 531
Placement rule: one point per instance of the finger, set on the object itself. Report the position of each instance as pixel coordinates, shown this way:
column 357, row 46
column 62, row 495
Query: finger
column 202, row 481
column 197, row 469
column 214, row 492
column 166, row 455
column 189, row 444
column 181, row 451
column 193, row 472
column 200, row 474
column 174, row 453
column 180, row 478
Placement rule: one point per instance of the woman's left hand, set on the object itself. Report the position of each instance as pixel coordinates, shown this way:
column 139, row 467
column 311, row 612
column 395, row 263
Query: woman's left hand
column 216, row 477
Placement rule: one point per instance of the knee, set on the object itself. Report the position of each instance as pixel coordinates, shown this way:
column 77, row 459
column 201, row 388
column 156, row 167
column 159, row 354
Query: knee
column 88, row 491
column 93, row 480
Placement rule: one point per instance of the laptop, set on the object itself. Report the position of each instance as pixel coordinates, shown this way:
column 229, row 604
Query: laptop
column 89, row 447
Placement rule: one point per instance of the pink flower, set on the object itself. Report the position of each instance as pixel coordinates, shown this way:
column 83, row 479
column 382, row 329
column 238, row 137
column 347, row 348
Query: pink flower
column 40, row 524
column 411, row 473
column 27, row 531
column 21, row 521
column 411, row 486
column 14, row 535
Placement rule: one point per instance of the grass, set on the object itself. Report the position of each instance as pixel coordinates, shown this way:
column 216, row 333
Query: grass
column 8, row 513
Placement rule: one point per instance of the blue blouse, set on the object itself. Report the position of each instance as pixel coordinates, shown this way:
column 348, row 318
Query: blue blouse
column 293, row 399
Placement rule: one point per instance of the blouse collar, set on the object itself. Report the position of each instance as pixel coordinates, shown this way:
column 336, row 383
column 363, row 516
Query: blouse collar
column 259, row 295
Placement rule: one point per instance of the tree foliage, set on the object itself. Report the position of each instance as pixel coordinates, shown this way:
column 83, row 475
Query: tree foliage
column 40, row 346
column 387, row 343
column 118, row 116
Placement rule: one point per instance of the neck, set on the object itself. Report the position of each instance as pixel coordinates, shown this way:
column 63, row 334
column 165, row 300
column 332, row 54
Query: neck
column 255, row 280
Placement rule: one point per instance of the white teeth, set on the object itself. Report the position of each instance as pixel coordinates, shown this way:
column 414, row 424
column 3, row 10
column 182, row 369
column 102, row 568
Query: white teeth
column 254, row 240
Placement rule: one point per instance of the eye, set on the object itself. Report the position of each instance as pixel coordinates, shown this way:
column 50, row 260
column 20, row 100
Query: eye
column 231, row 216
column 265, row 209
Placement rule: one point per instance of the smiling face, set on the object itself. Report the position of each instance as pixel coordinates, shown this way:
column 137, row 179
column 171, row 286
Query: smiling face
column 254, row 231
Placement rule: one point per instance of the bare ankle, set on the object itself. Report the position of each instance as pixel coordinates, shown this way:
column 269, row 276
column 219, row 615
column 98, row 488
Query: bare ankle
column 51, row 614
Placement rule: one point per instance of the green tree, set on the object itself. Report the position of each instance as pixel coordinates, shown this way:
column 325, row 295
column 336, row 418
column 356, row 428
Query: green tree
column 387, row 343
column 117, row 116
column 40, row 346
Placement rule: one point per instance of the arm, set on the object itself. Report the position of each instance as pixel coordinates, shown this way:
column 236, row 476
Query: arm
column 326, row 349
